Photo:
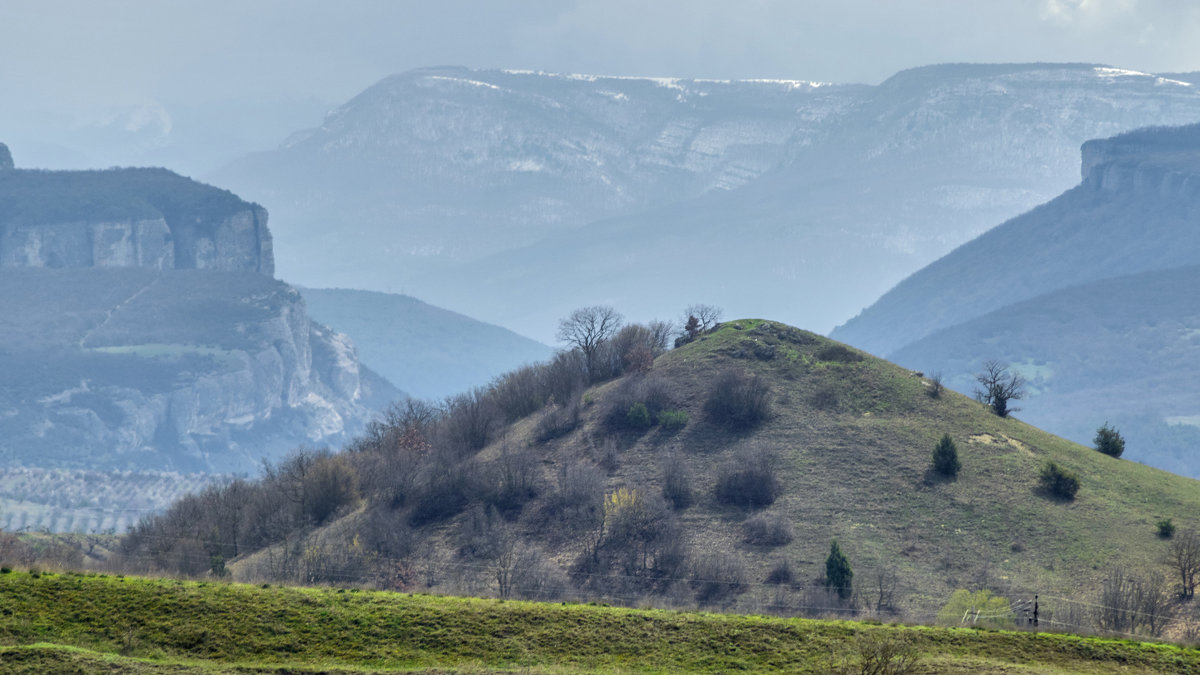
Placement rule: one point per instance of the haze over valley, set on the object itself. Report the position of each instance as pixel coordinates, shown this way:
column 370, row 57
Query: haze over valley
column 398, row 336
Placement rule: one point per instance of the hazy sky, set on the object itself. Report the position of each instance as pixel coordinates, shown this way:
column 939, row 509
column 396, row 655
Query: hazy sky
column 71, row 63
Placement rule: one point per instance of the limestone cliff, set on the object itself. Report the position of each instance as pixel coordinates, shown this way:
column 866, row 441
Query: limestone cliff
column 128, row 218
column 175, row 369
column 141, row 327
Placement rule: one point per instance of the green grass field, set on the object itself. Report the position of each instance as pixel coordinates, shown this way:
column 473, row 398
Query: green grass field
column 70, row 622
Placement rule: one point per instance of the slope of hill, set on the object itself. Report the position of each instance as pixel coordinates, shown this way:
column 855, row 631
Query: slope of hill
column 515, row 197
column 427, row 351
column 1134, row 212
column 99, row 624
column 1120, row 350
column 1090, row 296
column 843, row 454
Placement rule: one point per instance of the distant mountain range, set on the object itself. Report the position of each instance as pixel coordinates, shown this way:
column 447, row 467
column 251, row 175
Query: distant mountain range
column 517, row 196
column 1092, row 296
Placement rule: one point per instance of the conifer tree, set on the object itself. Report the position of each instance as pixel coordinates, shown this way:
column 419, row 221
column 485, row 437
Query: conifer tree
column 838, row 575
column 945, row 457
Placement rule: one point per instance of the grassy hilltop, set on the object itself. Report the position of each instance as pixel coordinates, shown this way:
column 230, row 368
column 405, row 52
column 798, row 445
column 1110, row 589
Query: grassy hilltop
column 562, row 501
column 101, row 624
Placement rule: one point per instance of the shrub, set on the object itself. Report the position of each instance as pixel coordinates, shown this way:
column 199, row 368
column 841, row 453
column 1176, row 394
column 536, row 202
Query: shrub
column 738, row 400
column 749, row 480
column 885, row 654
column 935, row 385
column 637, row 402
column 980, row 608
column 1166, row 528
column 945, row 457
column 781, row 574
column 673, row 420
column 718, row 577
column 558, row 420
column 767, row 530
column 1109, row 441
column 839, row 354
column 444, row 490
column 638, row 416
column 1059, row 482
column 676, row 482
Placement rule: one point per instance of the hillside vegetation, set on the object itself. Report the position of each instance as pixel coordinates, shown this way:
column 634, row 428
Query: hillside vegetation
column 101, row 624
column 715, row 475
column 34, row 197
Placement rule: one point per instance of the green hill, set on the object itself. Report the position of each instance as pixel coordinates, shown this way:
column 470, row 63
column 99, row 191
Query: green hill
column 467, row 503
column 101, row 624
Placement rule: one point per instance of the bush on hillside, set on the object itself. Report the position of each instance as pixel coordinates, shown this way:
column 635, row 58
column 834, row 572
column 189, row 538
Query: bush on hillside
column 781, row 573
column 672, row 420
column 1059, row 482
column 767, row 530
column 935, row 385
column 637, row 402
column 945, row 457
column 676, row 482
column 637, row 417
column 738, row 400
column 718, row 577
column 748, row 480
column 839, row 354
column 1166, row 528
column 1109, row 441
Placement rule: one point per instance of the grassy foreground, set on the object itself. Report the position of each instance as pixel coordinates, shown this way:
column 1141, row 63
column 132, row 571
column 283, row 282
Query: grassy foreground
column 95, row 623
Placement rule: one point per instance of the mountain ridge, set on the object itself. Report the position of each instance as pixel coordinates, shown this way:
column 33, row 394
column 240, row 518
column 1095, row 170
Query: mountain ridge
column 442, row 181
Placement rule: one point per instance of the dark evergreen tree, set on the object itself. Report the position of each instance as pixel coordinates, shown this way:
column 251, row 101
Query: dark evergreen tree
column 1109, row 441
column 838, row 575
column 945, row 457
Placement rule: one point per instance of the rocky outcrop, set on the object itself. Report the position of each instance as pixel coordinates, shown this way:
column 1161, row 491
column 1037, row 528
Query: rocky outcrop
column 6, row 160
column 172, row 370
column 1160, row 162
column 129, row 218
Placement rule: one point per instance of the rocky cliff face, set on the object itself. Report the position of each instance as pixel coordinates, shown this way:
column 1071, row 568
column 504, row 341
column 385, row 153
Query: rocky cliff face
column 1157, row 162
column 178, row 369
column 129, row 218
column 141, row 327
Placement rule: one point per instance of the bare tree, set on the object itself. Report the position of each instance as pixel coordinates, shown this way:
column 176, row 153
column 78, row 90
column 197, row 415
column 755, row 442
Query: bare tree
column 1184, row 558
column 998, row 386
column 707, row 316
column 587, row 329
column 883, row 582
column 1129, row 603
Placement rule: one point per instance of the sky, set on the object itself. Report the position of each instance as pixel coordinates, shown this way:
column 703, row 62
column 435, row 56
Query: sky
column 209, row 80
